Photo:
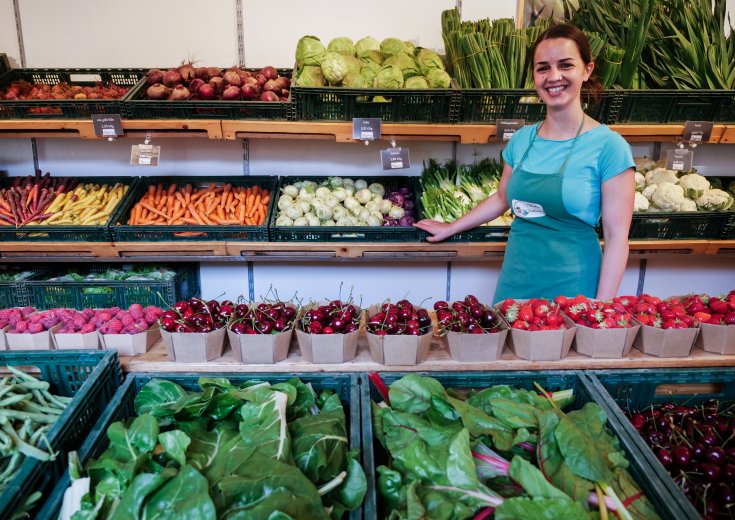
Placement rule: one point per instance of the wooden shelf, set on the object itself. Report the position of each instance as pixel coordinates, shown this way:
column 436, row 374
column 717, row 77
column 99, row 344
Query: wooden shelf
column 340, row 132
column 28, row 251
column 156, row 360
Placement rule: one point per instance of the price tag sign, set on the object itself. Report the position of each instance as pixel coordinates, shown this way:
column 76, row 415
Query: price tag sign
column 145, row 155
column 395, row 158
column 505, row 128
column 107, row 125
column 366, row 128
column 679, row 160
column 697, row 131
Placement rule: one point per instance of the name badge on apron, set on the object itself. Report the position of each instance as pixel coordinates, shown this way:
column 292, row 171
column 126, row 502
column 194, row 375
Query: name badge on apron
column 525, row 209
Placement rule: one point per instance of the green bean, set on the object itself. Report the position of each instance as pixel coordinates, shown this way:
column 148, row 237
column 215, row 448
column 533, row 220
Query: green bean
column 11, row 467
column 33, row 407
column 34, row 385
column 39, row 397
column 35, row 417
column 14, row 399
column 24, row 447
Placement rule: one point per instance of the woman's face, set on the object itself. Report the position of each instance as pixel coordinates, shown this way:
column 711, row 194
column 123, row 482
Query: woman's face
column 558, row 72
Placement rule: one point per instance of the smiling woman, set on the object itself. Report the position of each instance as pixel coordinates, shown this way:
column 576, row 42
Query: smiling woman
column 560, row 176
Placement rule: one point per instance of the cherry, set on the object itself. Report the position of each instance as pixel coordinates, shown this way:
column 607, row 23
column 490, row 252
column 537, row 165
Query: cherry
column 729, row 471
column 327, row 330
column 664, row 456
column 280, row 324
column 441, row 304
column 711, row 472
column 351, row 327
column 715, row 455
column 682, row 456
column 337, row 324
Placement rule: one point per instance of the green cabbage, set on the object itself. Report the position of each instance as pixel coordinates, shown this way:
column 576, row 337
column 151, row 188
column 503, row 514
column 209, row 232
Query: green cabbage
column 404, row 62
column 391, row 46
column 369, row 71
column 371, row 56
column 438, row 79
column 428, row 60
column 381, row 99
column 389, row 76
column 353, row 65
column 352, row 80
column 309, row 51
column 416, row 82
column 367, row 44
column 334, row 67
column 409, row 48
column 342, row 45
column 311, row 76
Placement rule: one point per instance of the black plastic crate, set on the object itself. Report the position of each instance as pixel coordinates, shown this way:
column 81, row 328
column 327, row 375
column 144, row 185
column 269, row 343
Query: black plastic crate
column 348, row 233
column 552, row 381
column 488, row 105
column 676, row 106
column 635, row 390
column 68, row 233
column 66, row 108
column 91, row 378
column 122, row 232
column 14, row 294
column 122, row 407
column 700, row 225
column 4, row 63
column 45, row 294
column 137, row 107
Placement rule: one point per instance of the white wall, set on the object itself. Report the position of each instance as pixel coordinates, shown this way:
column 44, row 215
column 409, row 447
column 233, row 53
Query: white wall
column 89, row 33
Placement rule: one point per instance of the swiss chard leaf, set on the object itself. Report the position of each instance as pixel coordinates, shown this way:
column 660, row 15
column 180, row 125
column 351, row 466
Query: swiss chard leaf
column 523, row 508
column 441, row 413
column 580, row 451
column 631, row 495
column 263, row 426
column 592, row 419
column 484, row 398
column 142, row 486
column 480, row 423
column 351, row 493
column 391, row 488
column 156, row 396
column 514, row 414
column 175, row 444
column 412, row 393
column 460, row 465
column 205, row 444
column 288, row 389
column 183, row 497
column 532, row 480
column 304, row 402
column 320, row 444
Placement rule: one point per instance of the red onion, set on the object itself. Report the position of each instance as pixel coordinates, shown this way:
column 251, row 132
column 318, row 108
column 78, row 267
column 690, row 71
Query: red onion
column 171, row 78
column 214, row 72
column 243, row 74
column 283, row 98
column 261, row 79
column 187, row 71
column 283, row 82
column 157, row 91
column 269, row 72
column 154, row 76
column 218, row 83
column 180, row 93
column 206, row 91
column 272, row 86
column 195, row 84
column 249, row 92
column 10, row 96
column 231, row 93
column 232, row 78
column 202, row 73
column 285, row 93
column 269, row 96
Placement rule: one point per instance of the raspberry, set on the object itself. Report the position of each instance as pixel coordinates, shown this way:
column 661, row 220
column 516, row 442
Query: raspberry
column 79, row 321
column 87, row 329
column 119, row 314
column 47, row 323
column 105, row 329
column 36, row 318
column 151, row 318
column 68, row 329
column 3, row 323
column 135, row 307
column 35, row 328
column 25, row 311
column 4, row 314
column 105, row 316
column 127, row 319
column 137, row 313
column 14, row 318
column 88, row 313
column 142, row 323
column 115, row 326
column 114, row 310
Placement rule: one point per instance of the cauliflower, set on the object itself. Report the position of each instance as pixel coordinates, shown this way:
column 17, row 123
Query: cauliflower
column 648, row 191
column 659, row 175
column 643, row 164
column 640, row 203
column 640, row 181
column 694, row 185
column 668, row 196
column 715, row 200
column 688, row 205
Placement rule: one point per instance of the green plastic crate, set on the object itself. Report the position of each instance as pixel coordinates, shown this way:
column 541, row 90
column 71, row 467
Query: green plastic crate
column 122, row 232
column 92, row 378
column 700, row 225
column 122, row 407
column 137, row 107
column 14, row 294
column 488, row 105
column 44, row 294
column 66, row 108
column 67, row 233
column 349, row 233
column 634, row 390
column 552, row 381
column 675, row 106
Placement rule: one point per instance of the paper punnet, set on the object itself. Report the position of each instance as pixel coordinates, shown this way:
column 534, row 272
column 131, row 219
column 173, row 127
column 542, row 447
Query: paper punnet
column 194, row 347
column 260, row 348
column 131, row 344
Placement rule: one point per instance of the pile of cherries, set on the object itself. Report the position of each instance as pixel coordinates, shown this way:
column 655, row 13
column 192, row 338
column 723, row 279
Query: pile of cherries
column 398, row 319
column 696, row 444
column 263, row 318
column 335, row 317
column 466, row 316
column 196, row 315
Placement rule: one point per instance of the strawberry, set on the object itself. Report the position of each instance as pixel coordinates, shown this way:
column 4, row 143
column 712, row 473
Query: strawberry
column 526, row 313
column 718, row 306
column 561, row 301
column 702, row 316
column 729, row 318
column 521, row 325
column 644, row 319
column 554, row 319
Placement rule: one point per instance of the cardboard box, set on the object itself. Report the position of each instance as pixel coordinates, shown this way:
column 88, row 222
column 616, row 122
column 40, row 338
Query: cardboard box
column 604, row 343
column 26, row 341
column 665, row 342
column 131, row 344
column 3, row 342
column 718, row 339
column 260, row 348
column 478, row 348
column 76, row 340
column 194, row 347
column 540, row 345
column 399, row 350
column 328, row 348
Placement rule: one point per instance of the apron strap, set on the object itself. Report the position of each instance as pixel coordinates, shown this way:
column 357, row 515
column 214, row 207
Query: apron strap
column 571, row 149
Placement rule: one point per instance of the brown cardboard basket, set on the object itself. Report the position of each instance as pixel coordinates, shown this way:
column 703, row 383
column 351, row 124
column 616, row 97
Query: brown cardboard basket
column 604, row 343
column 260, row 348
column 194, row 347
column 478, row 348
column 665, row 342
column 77, row 340
column 539, row 345
column 398, row 350
column 718, row 339
column 38, row 341
column 131, row 344
column 328, row 348
column 3, row 342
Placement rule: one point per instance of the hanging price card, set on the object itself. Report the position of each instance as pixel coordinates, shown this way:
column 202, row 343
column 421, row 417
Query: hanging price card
column 366, row 128
column 505, row 128
column 679, row 159
column 697, row 131
column 395, row 158
column 145, row 155
column 107, row 125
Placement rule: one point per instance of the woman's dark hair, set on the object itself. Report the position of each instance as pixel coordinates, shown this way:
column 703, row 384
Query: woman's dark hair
column 592, row 87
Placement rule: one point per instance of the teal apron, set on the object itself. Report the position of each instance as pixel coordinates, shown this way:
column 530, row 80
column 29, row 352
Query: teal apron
column 549, row 252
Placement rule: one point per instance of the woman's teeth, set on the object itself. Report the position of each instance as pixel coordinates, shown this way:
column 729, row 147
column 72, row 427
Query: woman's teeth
column 557, row 90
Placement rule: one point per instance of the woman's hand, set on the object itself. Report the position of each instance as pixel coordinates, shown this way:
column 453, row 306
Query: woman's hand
column 439, row 230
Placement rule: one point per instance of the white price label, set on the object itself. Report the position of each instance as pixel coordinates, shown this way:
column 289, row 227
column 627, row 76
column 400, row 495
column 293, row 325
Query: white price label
column 144, row 159
column 396, row 164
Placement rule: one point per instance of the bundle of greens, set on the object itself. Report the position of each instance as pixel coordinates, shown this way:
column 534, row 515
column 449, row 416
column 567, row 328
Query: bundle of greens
column 250, row 451
column 13, row 276
column 146, row 273
column 451, row 190
column 509, row 453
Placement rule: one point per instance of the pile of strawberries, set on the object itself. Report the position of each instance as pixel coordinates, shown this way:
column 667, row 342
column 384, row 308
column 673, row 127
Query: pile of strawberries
column 534, row 314
column 652, row 311
column 711, row 309
column 597, row 314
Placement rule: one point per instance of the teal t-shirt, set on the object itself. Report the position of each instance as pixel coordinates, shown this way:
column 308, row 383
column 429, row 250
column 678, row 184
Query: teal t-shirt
column 599, row 155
